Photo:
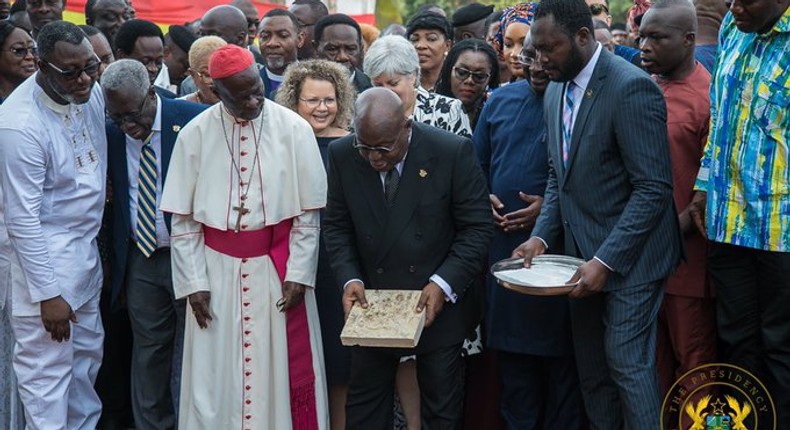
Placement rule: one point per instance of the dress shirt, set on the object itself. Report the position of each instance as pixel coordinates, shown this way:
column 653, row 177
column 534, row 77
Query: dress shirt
column 745, row 168
column 448, row 290
column 134, row 149
column 163, row 80
column 53, row 162
column 582, row 80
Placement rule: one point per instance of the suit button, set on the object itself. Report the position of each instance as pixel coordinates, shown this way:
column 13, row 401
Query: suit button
column 566, row 223
column 379, row 270
column 412, row 269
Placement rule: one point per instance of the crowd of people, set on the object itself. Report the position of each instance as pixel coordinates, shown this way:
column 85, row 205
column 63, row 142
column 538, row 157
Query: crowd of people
column 186, row 218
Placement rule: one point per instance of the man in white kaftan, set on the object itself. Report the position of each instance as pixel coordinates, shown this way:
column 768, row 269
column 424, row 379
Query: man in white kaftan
column 242, row 179
column 53, row 153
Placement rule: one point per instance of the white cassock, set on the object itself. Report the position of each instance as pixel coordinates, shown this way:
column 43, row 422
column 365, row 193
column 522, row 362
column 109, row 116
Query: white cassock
column 236, row 372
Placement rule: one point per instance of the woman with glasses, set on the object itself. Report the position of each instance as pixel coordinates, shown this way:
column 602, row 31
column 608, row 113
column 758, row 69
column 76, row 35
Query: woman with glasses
column 513, row 27
column 321, row 93
column 392, row 62
column 469, row 72
column 17, row 59
column 17, row 63
column 199, row 54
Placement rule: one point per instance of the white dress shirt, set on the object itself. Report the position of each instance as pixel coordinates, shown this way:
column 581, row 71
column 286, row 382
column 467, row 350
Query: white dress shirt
column 134, row 149
column 53, row 163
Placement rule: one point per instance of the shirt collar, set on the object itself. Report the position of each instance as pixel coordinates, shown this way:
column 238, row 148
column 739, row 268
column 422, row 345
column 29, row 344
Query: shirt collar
column 583, row 78
column 157, row 125
column 53, row 105
column 783, row 24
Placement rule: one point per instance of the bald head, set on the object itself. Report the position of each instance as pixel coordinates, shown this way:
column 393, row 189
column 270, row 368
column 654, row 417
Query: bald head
column 250, row 14
column 678, row 13
column 227, row 22
column 378, row 108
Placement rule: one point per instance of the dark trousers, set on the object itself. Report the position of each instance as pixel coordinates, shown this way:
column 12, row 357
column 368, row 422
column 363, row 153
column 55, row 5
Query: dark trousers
column 753, row 302
column 540, row 392
column 614, row 338
column 154, row 317
column 686, row 337
column 369, row 405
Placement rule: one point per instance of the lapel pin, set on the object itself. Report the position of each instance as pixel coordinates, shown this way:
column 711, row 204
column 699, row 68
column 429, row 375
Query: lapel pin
column 176, row 128
column 423, row 173
column 588, row 93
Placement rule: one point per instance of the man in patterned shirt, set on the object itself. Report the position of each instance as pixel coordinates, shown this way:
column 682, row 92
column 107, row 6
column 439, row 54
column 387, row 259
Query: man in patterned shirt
column 743, row 198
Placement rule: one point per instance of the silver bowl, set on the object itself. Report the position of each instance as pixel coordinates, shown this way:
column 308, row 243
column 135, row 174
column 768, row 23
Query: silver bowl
column 545, row 261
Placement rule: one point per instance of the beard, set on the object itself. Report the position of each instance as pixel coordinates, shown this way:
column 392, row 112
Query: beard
column 574, row 65
column 275, row 63
column 58, row 89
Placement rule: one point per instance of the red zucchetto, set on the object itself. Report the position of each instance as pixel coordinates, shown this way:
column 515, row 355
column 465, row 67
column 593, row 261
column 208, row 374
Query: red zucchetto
column 228, row 61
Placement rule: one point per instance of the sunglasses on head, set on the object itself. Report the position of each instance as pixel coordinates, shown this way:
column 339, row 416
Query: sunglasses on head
column 597, row 9
column 22, row 52
column 464, row 74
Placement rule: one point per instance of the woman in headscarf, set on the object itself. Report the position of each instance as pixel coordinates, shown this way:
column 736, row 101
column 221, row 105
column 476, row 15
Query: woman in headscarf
column 513, row 27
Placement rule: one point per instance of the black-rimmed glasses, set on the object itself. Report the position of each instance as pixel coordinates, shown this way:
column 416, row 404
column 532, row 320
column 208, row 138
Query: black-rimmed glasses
column 464, row 74
column 597, row 9
column 90, row 69
column 21, row 52
column 380, row 149
column 128, row 118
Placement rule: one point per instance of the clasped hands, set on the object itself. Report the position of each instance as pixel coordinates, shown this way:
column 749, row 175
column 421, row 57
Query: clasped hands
column 293, row 295
column 590, row 276
column 521, row 219
column 431, row 299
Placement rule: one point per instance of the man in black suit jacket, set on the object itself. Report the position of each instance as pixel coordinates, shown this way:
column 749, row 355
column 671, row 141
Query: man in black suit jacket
column 609, row 194
column 418, row 221
column 139, row 118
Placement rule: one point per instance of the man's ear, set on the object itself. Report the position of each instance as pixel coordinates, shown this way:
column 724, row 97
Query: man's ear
column 301, row 37
column 690, row 38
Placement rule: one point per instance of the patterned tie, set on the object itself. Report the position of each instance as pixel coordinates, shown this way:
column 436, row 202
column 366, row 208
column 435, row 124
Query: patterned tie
column 567, row 121
column 146, row 199
column 391, row 182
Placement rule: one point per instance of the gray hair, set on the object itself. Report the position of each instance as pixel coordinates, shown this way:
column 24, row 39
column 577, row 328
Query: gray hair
column 58, row 31
column 391, row 55
column 126, row 74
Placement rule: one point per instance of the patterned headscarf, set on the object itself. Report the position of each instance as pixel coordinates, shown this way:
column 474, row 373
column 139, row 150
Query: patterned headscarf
column 522, row 12
column 639, row 8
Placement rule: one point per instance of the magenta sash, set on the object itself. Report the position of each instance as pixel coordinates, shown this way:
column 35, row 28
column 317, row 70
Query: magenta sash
column 274, row 241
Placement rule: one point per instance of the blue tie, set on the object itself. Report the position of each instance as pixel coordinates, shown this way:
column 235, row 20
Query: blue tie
column 146, row 200
column 567, row 121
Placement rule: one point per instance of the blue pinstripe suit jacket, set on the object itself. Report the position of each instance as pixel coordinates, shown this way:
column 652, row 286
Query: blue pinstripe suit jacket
column 614, row 199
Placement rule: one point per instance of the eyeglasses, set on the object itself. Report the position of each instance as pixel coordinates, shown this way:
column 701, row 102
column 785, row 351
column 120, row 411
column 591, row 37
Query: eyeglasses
column 22, row 52
column 314, row 103
column 379, row 149
column 464, row 74
column 526, row 60
column 597, row 9
column 90, row 70
column 128, row 118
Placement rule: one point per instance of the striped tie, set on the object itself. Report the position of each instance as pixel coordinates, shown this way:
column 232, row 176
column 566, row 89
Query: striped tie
column 146, row 200
column 567, row 121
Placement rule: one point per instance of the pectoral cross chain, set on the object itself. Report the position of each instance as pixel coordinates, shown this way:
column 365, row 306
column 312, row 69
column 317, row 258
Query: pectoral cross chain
column 241, row 211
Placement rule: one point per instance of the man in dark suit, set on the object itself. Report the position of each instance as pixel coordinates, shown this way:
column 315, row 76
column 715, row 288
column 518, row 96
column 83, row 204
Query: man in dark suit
column 418, row 221
column 141, row 134
column 610, row 193
column 338, row 38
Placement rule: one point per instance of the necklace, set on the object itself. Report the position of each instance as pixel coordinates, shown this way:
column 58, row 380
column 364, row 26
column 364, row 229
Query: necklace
column 240, row 209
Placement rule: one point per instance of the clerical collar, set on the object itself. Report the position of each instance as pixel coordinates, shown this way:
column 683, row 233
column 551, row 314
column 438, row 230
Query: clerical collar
column 274, row 77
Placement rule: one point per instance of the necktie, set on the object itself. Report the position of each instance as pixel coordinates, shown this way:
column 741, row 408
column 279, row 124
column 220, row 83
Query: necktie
column 391, row 181
column 146, row 200
column 567, row 121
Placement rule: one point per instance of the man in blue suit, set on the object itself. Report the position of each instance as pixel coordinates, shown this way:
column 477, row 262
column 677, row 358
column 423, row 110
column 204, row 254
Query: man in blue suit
column 609, row 195
column 141, row 133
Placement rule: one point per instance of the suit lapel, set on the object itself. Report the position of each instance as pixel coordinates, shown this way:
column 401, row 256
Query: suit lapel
column 169, row 134
column 370, row 181
column 416, row 170
column 554, row 95
column 587, row 101
column 116, row 140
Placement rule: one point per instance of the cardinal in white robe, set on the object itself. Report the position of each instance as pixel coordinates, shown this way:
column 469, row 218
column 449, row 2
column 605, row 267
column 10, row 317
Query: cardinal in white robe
column 245, row 186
